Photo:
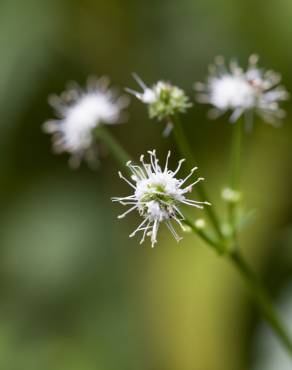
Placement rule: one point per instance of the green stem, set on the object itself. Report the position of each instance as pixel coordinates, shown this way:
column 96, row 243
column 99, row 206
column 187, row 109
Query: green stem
column 235, row 172
column 187, row 152
column 209, row 239
column 235, row 159
column 258, row 291
column 261, row 298
column 256, row 288
column 113, row 145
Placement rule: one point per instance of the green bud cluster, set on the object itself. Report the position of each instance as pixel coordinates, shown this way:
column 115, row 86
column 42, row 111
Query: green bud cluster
column 170, row 100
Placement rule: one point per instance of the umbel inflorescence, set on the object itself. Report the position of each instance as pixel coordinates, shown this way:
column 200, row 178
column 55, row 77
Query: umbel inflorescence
column 163, row 99
column 158, row 193
column 157, row 196
column 241, row 91
column 79, row 113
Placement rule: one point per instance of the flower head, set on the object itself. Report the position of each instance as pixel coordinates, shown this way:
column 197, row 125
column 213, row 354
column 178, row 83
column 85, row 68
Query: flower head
column 164, row 100
column 238, row 90
column 80, row 112
column 158, row 193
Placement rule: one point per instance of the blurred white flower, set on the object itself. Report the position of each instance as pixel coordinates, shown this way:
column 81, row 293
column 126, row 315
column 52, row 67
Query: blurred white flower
column 80, row 112
column 157, row 196
column 231, row 195
column 163, row 99
column 147, row 96
column 200, row 223
column 241, row 91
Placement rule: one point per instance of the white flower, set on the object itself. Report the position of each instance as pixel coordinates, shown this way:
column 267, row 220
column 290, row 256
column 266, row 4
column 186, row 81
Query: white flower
column 80, row 112
column 147, row 96
column 241, row 91
column 157, row 196
column 163, row 99
column 231, row 195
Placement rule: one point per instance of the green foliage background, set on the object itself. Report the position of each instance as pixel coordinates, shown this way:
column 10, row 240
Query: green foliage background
column 75, row 292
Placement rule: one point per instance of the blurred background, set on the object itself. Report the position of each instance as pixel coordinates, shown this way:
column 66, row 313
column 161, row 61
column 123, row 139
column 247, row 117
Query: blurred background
column 75, row 292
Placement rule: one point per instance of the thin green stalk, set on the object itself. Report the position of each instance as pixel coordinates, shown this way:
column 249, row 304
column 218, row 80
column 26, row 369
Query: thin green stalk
column 235, row 158
column 209, row 239
column 256, row 288
column 187, row 152
column 113, row 145
column 235, row 173
column 258, row 291
column 261, row 298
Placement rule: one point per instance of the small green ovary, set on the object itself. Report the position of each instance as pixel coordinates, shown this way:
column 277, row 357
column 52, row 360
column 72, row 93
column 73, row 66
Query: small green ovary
column 158, row 194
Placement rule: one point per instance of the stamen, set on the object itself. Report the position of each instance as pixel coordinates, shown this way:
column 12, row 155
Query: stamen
column 145, row 232
column 154, row 233
column 153, row 159
column 166, row 162
column 179, row 166
column 189, row 187
column 133, row 92
column 189, row 175
column 138, row 171
column 139, row 227
column 193, row 204
column 139, row 81
column 125, row 179
column 128, row 211
column 179, row 212
column 172, row 230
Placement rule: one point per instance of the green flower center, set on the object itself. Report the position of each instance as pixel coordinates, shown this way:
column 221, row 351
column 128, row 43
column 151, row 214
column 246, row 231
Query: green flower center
column 158, row 194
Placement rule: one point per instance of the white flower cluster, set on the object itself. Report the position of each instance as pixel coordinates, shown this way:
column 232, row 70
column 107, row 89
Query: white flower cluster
column 157, row 192
column 164, row 100
column 80, row 113
column 157, row 196
column 233, row 88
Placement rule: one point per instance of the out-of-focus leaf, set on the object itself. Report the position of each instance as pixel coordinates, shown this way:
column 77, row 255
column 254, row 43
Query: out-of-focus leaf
column 52, row 235
column 27, row 31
